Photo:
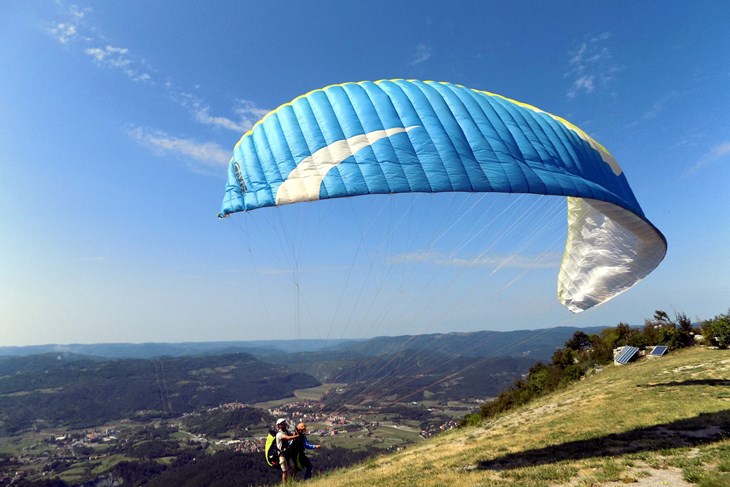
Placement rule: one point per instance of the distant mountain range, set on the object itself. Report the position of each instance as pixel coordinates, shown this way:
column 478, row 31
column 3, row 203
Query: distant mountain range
column 539, row 344
column 152, row 350
column 85, row 385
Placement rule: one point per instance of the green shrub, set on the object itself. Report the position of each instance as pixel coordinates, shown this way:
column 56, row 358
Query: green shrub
column 583, row 352
column 717, row 330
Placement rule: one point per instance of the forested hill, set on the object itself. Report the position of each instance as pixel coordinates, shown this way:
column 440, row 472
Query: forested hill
column 535, row 344
column 78, row 391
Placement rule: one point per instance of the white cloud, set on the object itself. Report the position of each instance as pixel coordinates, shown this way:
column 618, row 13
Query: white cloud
column 591, row 66
column 119, row 58
column 658, row 107
column 601, row 37
column 423, row 54
column 74, row 29
column 68, row 30
column 113, row 54
column 584, row 83
column 64, row 32
column 208, row 154
column 512, row 261
column 246, row 111
column 202, row 115
column 720, row 151
column 654, row 111
column 110, row 56
column 77, row 12
column 249, row 112
column 717, row 153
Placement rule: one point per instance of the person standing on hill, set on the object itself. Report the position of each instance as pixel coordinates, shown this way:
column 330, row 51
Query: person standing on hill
column 298, row 446
column 283, row 444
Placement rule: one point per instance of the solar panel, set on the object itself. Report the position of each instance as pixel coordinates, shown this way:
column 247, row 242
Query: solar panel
column 659, row 351
column 625, row 355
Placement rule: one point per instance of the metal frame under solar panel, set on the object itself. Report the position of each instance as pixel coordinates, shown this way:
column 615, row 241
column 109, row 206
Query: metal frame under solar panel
column 626, row 354
column 659, row 350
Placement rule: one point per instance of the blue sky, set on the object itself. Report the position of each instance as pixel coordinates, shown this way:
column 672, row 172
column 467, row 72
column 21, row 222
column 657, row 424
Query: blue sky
column 117, row 120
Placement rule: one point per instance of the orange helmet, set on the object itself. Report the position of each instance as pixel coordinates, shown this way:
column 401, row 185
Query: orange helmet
column 301, row 427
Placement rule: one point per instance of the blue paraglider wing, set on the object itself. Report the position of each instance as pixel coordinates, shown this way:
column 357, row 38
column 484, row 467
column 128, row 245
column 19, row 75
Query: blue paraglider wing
column 400, row 136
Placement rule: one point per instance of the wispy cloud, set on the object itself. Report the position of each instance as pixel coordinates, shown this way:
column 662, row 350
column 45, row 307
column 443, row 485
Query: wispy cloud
column 591, row 66
column 655, row 110
column 511, row 261
column 246, row 111
column 716, row 154
column 207, row 154
column 311, row 270
column 67, row 30
column 74, row 30
column 658, row 107
column 423, row 54
column 119, row 58
column 63, row 32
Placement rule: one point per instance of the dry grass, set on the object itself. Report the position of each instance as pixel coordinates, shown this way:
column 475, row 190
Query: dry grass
column 657, row 422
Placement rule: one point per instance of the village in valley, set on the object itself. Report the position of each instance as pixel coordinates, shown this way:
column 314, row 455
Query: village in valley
column 47, row 452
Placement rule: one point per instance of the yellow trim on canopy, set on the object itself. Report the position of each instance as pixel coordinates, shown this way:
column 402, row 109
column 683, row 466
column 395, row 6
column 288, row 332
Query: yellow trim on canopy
column 605, row 155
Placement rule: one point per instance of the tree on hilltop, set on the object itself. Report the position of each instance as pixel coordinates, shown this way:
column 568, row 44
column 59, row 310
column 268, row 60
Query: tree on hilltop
column 717, row 330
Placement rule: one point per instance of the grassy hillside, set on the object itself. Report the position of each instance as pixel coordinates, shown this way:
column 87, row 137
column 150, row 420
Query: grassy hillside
column 662, row 421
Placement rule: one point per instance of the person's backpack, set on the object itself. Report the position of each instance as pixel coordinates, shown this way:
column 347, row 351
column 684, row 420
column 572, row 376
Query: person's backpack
column 271, row 451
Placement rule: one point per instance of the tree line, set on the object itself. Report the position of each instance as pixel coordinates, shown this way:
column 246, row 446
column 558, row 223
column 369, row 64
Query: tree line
column 583, row 352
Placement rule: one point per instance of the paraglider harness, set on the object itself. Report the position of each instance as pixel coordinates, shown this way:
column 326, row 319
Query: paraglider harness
column 271, row 451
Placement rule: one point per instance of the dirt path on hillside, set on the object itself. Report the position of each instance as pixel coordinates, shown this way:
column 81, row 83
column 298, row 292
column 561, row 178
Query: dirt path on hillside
column 656, row 478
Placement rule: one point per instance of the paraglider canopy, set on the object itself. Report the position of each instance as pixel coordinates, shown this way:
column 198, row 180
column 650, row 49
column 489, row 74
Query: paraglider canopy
column 408, row 136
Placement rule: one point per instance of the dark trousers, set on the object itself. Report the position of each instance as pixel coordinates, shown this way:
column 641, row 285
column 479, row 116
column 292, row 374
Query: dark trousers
column 304, row 464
